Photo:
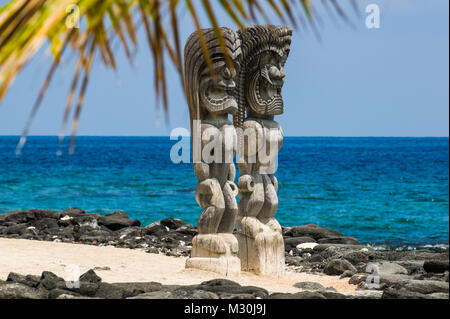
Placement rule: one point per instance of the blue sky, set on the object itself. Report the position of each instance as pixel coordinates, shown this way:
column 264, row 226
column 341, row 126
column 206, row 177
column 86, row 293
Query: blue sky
column 391, row 81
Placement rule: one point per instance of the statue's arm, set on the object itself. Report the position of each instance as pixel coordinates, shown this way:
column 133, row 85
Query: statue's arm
column 253, row 140
column 246, row 184
column 231, row 173
column 201, row 171
column 274, row 181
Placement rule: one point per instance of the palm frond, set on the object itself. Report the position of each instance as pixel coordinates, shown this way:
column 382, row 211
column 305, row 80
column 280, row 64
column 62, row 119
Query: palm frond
column 68, row 107
column 28, row 25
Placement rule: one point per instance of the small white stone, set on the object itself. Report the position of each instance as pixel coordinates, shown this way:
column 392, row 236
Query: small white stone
column 303, row 246
column 364, row 249
column 67, row 217
column 93, row 223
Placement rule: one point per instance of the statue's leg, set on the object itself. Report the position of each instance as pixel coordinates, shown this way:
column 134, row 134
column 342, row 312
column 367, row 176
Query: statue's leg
column 270, row 200
column 211, row 250
column 210, row 197
column 228, row 221
column 248, row 225
column 272, row 237
column 231, row 208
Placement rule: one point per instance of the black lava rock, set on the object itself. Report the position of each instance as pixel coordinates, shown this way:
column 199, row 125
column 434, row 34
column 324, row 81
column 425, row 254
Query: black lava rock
column 55, row 293
column 172, row 223
column 117, row 220
column 436, row 266
column 308, row 285
column 131, row 289
column 346, row 240
column 290, row 243
column 73, row 212
column 90, row 276
column 14, row 290
column 49, row 280
column 298, row 295
column 337, row 267
column 312, row 230
column 29, row 280
column 109, row 291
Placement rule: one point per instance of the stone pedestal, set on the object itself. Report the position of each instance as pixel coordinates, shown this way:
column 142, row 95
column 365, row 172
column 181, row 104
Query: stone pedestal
column 215, row 252
column 261, row 248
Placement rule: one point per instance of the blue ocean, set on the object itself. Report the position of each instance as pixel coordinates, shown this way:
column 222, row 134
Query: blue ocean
column 388, row 192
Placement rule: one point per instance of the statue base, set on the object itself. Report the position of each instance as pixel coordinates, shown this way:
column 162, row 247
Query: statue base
column 216, row 253
column 226, row 266
column 261, row 246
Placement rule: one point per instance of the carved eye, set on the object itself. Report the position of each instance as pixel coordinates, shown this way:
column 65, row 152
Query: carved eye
column 226, row 73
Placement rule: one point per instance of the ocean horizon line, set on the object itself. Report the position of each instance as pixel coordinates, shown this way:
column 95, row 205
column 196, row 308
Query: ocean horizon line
column 289, row 136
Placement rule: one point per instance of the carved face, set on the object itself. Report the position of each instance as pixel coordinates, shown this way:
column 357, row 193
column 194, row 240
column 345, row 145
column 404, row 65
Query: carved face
column 216, row 95
column 266, row 79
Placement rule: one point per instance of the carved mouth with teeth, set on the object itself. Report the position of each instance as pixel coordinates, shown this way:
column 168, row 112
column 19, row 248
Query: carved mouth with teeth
column 268, row 92
column 218, row 97
column 265, row 94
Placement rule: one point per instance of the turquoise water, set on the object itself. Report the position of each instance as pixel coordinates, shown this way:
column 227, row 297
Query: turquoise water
column 386, row 191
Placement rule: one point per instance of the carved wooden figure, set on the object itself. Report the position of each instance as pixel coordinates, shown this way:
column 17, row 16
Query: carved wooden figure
column 264, row 49
column 210, row 101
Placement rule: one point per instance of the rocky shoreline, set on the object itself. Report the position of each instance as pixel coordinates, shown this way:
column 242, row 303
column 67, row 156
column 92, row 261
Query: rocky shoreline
column 418, row 274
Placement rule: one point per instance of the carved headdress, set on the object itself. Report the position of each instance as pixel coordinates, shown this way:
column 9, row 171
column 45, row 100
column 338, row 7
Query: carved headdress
column 202, row 93
column 265, row 49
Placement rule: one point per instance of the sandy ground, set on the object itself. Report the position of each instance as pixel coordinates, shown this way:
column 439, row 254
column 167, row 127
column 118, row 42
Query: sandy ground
column 132, row 265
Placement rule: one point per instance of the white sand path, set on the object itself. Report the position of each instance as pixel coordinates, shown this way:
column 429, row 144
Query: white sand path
column 132, row 265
